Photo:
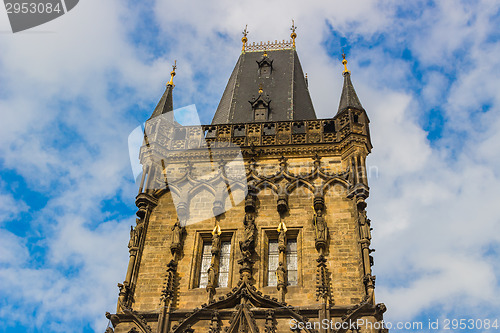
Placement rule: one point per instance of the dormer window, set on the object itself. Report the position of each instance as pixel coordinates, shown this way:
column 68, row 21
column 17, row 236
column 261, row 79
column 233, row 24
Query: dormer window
column 260, row 112
column 265, row 66
column 260, row 106
column 265, row 71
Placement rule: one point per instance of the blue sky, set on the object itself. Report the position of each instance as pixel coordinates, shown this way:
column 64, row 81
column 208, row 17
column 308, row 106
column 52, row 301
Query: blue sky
column 428, row 74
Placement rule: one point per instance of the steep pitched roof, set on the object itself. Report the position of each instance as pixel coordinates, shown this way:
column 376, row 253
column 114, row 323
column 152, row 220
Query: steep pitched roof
column 285, row 85
column 165, row 104
column 349, row 99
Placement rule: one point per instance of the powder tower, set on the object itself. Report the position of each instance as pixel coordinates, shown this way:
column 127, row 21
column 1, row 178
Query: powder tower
column 255, row 222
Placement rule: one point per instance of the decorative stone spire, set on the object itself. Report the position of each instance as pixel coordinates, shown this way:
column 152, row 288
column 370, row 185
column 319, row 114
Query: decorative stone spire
column 165, row 104
column 348, row 99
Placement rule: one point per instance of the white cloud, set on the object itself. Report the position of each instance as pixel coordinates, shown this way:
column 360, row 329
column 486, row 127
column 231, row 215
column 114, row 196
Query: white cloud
column 10, row 207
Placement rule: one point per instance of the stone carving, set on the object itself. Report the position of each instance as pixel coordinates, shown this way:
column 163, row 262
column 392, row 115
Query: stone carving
column 113, row 318
column 215, row 326
column 364, row 224
column 177, row 232
column 135, row 234
column 322, row 285
column 123, row 288
column 212, row 281
column 248, row 244
column 320, row 227
column 281, row 276
column 282, row 204
column 270, row 326
column 250, row 199
column 168, row 291
column 216, row 243
column 282, row 240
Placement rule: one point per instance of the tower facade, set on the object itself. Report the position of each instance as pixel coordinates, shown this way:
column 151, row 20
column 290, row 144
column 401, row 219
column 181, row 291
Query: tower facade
column 256, row 222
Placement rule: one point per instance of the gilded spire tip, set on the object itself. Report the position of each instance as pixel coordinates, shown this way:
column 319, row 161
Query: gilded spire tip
column 172, row 74
column 344, row 62
column 293, row 34
column 260, row 89
column 244, row 39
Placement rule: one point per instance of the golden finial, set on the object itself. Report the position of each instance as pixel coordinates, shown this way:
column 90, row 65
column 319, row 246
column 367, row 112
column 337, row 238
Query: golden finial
column 293, row 34
column 265, row 53
column 172, row 74
column 260, row 89
column 344, row 62
column 244, row 39
column 216, row 230
column 281, row 226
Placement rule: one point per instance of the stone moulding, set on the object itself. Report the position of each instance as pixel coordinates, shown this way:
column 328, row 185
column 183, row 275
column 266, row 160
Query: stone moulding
column 304, row 137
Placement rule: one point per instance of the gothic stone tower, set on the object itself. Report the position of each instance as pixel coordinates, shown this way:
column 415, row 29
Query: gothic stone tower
column 257, row 222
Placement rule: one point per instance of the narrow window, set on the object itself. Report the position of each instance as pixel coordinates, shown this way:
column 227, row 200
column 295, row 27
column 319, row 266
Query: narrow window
column 265, row 70
column 291, row 261
column 273, row 262
column 261, row 113
column 225, row 251
column 206, row 258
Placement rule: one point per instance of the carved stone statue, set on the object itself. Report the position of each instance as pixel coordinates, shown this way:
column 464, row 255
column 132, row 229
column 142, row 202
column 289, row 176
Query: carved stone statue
column 320, row 226
column 282, row 240
column 177, row 231
column 281, row 275
column 248, row 243
column 135, row 234
column 364, row 224
column 216, row 243
column 132, row 237
column 212, row 283
column 113, row 318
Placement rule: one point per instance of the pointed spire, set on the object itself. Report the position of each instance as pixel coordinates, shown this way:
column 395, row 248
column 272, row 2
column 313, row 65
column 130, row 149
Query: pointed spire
column 166, row 101
column 348, row 99
column 293, row 34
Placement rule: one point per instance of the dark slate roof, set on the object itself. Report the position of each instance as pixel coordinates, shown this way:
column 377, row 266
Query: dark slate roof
column 165, row 104
column 285, row 87
column 349, row 99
